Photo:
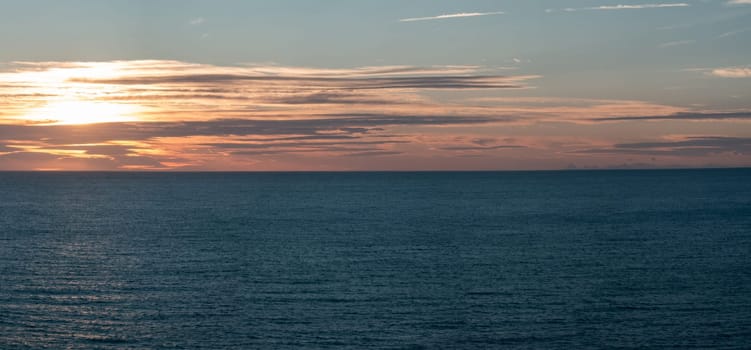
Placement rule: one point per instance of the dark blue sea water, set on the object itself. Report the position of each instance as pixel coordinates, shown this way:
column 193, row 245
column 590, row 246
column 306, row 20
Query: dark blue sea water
column 521, row 260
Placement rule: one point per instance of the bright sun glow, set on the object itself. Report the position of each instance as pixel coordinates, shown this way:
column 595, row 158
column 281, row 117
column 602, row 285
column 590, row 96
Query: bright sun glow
column 81, row 112
column 69, row 101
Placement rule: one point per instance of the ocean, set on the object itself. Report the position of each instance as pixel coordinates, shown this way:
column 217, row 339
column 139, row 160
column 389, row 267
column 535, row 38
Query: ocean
column 396, row 260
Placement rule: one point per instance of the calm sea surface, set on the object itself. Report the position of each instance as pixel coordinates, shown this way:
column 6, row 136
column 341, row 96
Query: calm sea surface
column 538, row 260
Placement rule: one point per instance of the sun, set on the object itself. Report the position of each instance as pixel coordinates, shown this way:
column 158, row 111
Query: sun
column 72, row 112
column 67, row 101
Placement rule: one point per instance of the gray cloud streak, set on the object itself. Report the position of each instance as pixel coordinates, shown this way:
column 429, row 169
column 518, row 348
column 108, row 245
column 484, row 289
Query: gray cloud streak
column 309, row 82
column 480, row 148
column 682, row 116
column 692, row 147
column 373, row 154
column 136, row 131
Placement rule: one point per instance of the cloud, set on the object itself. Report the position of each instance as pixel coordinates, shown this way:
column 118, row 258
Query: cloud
column 306, row 79
column 622, row 7
column 732, row 72
column 143, row 131
column 739, row 2
column 475, row 145
column 193, row 114
column 157, row 144
column 270, row 117
column 682, row 116
column 734, row 32
column 452, row 15
column 676, row 43
column 173, row 90
column 44, row 161
column 373, row 154
column 480, row 148
column 692, row 146
column 197, row 21
column 374, row 83
column 693, row 141
column 572, row 110
column 166, row 91
column 265, row 147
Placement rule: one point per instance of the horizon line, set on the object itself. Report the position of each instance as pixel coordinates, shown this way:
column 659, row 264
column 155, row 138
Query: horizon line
column 371, row 171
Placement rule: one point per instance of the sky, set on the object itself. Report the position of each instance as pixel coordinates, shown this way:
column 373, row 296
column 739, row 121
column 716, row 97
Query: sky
column 243, row 85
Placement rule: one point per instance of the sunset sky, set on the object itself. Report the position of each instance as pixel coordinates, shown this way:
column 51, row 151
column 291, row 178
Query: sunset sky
column 374, row 85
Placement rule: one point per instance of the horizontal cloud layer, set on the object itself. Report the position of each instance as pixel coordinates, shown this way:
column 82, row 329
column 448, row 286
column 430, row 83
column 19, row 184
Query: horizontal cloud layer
column 746, row 115
column 687, row 146
column 153, row 115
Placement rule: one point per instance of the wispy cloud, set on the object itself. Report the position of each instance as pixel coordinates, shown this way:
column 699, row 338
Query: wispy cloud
column 622, row 7
column 732, row 72
column 452, row 15
column 733, row 32
column 676, row 43
column 739, row 2
column 197, row 21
